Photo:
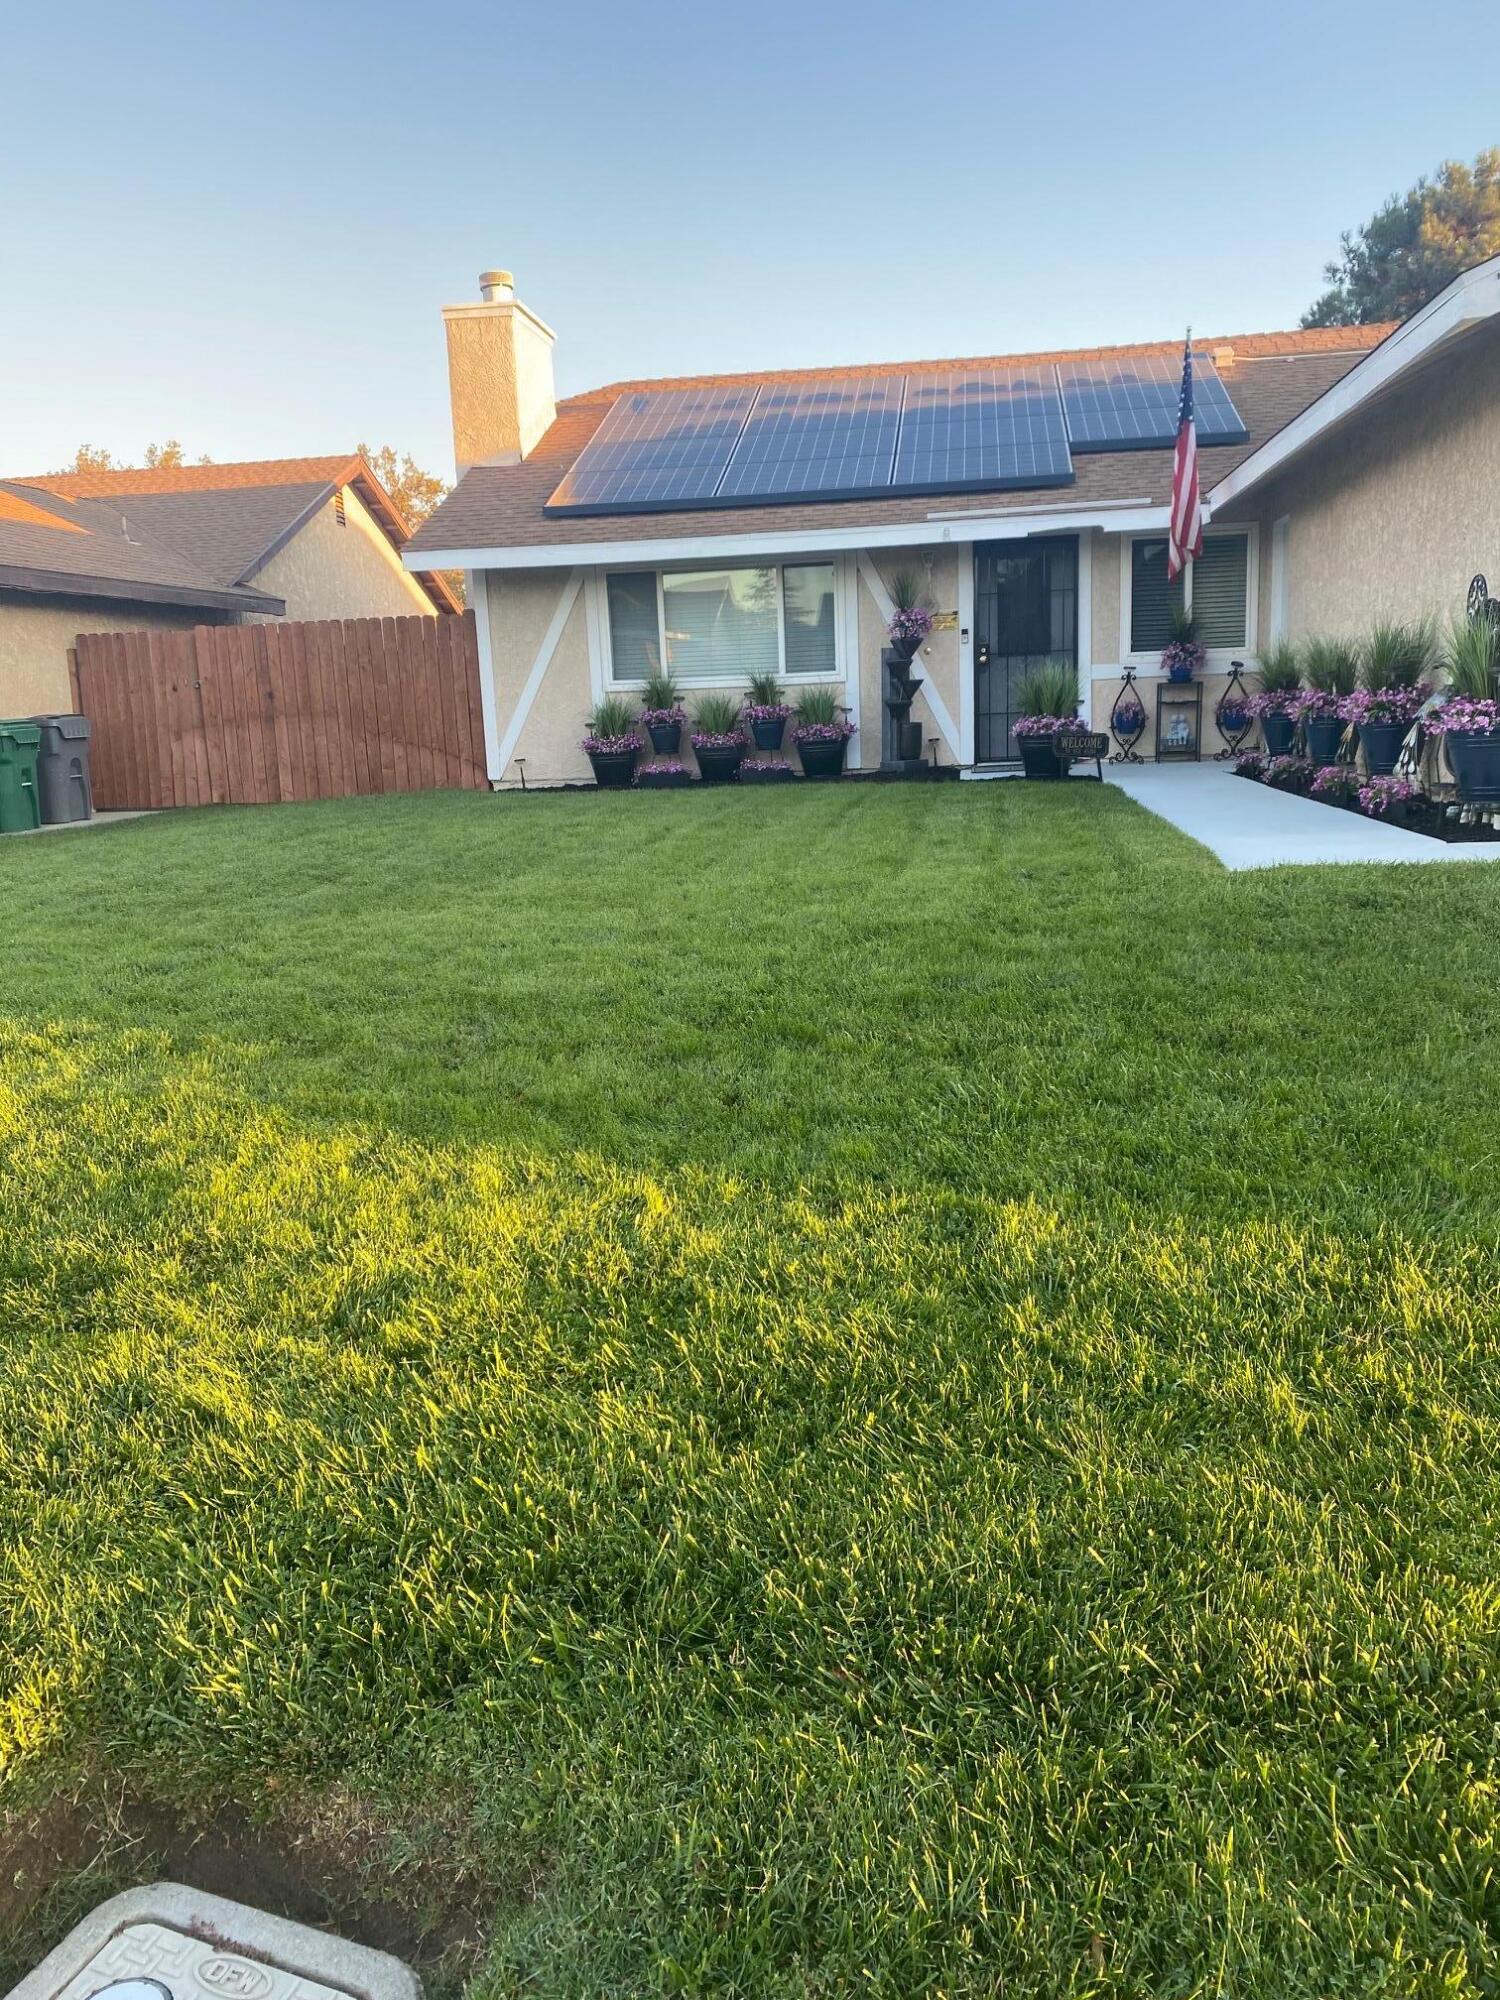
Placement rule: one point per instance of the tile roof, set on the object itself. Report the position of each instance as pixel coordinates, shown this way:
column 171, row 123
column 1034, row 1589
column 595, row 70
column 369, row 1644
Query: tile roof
column 232, row 518
column 1272, row 377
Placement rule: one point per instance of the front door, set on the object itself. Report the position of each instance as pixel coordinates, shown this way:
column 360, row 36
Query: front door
column 1025, row 613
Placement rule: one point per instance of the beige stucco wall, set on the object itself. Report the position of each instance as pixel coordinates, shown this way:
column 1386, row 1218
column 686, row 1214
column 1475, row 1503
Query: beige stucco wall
column 522, row 604
column 1392, row 514
column 936, row 571
column 1104, row 600
column 500, row 382
column 326, row 571
column 35, row 634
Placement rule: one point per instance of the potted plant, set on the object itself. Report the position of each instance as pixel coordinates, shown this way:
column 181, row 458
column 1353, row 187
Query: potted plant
column 1330, row 668
column 1468, row 713
column 1271, row 704
column 1290, row 774
column 1048, row 702
column 910, row 621
column 766, row 712
column 766, row 771
column 665, row 777
column 662, row 714
column 717, row 741
column 1392, row 692
column 1183, row 656
column 821, row 733
column 1387, row 797
column 612, row 745
column 1250, row 764
column 1335, row 784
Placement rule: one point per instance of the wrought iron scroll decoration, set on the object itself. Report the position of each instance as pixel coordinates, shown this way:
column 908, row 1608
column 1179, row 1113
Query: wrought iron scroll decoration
column 1128, row 708
column 1233, row 703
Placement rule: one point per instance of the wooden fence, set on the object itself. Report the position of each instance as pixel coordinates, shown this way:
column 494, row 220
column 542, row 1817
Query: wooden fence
column 263, row 714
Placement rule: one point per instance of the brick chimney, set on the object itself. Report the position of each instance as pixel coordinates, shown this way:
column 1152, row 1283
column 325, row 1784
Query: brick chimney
column 499, row 376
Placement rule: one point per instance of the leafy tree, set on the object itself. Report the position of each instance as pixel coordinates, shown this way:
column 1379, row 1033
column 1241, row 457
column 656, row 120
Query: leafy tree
column 99, row 458
column 1414, row 246
column 414, row 491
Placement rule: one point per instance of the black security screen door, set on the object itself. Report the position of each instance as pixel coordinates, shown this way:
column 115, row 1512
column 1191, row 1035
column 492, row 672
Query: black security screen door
column 1025, row 612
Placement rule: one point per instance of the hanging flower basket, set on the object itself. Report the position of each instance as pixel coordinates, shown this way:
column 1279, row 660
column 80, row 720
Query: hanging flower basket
column 908, row 629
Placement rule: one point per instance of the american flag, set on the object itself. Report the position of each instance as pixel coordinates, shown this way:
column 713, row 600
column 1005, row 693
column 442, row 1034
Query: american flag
column 1185, row 531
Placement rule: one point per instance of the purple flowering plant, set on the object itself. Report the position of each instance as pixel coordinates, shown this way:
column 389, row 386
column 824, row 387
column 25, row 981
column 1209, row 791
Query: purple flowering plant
column 823, row 732
column 611, row 730
column 1336, row 781
column 1046, row 725
column 1290, row 774
column 1380, row 796
column 1130, row 717
column 820, row 719
column 1385, row 704
column 1466, row 715
column 910, row 624
column 765, row 764
column 1249, row 764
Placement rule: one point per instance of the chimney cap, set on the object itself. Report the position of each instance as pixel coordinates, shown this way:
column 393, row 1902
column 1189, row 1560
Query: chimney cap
column 495, row 286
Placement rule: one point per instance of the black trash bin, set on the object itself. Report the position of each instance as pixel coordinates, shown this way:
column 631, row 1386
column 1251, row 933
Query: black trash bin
column 62, row 769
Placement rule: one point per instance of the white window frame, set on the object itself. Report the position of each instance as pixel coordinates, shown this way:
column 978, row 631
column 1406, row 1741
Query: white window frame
column 1219, row 657
column 837, row 672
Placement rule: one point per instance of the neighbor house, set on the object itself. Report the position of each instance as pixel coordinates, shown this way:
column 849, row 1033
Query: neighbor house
column 720, row 524
column 176, row 546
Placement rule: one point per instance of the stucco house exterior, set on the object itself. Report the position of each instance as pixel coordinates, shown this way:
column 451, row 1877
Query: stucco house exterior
column 1356, row 475
column 170, row 547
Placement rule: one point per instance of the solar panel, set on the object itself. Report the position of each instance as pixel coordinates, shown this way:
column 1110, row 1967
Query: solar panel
column 656, row 449
column 817, row 440
column 1132, row 404
column 981, row 428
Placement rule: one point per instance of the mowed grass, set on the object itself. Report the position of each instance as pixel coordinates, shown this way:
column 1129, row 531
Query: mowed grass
column 886, row 1390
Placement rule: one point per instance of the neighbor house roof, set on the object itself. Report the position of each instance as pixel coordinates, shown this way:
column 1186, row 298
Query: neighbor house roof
column 229, row 520
column 54, row 546
column 1272, row 377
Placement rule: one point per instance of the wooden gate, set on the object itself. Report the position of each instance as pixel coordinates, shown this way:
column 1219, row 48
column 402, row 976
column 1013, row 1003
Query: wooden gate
column 264, row 714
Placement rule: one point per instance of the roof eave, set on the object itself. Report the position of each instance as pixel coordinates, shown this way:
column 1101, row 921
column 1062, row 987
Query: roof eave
column 1472, row 298
column 952, row 523
column 30, row 582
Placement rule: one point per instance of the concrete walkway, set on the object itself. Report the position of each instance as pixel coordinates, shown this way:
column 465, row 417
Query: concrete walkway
column 1251, row 826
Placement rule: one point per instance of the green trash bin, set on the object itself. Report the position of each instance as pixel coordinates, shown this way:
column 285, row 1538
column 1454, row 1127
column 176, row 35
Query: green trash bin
column 19, row 810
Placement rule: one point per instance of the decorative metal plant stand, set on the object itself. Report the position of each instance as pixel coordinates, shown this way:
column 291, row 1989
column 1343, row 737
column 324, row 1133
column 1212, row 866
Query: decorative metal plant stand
column 1235, row 700
column 901, row 750
column 1127, row 702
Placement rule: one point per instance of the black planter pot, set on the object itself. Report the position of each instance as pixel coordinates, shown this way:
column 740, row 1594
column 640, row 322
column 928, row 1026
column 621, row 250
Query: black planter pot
column 1039, row 759
column 1278, row 731
column 1476, row 765
column 1381, row 743
column 904, row 649
column 750, row 776
column 1179, row 676
column 768, row 735
column 613, row 769
column 824, row 760
column 1324, row 734
column 719, row 767
column 666, row 737
column 662, row 781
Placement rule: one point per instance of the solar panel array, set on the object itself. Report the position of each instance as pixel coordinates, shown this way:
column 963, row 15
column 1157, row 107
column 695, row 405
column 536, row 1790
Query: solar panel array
column 817, row 440
column 867, row 436
column 1132, row 404
column 658, row 449
column 986, row 427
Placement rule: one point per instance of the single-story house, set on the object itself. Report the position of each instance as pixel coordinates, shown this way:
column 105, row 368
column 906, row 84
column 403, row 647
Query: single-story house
column 720, row 524
column 170, row 547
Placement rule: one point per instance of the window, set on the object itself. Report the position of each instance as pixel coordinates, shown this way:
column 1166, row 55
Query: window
column 1215, row 586
column 634, row 628
column 723, row 624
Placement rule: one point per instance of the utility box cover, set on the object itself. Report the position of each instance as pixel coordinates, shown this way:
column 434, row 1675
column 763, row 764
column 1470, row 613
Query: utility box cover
column 171, row 1943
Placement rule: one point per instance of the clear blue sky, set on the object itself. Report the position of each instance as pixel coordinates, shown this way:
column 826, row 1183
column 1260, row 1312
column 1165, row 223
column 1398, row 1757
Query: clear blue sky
column 235, row 223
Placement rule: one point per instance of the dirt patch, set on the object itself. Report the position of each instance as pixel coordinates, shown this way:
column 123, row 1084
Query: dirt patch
column 334, row 1860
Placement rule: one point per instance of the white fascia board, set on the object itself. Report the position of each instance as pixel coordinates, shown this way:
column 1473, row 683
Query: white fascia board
column 948, row 528
column 1470, row 299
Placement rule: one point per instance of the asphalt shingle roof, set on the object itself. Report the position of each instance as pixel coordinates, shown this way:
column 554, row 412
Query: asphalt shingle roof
column 1272, row 378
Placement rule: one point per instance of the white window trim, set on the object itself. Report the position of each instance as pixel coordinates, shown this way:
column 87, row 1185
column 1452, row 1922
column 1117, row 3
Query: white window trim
column 700, row 684
column 1219, row 657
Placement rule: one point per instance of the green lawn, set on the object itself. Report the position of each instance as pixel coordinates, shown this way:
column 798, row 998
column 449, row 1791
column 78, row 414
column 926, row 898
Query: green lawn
column 855, row 1390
